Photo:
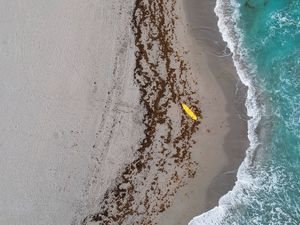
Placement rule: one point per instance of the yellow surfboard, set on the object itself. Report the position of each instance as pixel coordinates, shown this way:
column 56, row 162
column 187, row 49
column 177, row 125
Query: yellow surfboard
column 189, row 111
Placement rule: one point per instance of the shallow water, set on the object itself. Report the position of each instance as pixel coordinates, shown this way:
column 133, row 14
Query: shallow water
column 264, row 37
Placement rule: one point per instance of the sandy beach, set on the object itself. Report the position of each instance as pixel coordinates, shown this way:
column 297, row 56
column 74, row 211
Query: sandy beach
column 70, row 111
column 180, row 59
column 93, row 129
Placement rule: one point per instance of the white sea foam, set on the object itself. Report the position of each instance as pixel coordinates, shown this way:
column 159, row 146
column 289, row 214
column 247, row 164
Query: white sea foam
column 228, row 15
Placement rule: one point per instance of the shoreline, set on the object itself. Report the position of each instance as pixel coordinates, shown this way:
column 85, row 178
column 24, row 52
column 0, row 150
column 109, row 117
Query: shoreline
column 203, row 41
column 234, row 91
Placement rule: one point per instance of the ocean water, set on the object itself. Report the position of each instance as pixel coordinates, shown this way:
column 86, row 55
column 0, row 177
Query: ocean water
column 264, row 37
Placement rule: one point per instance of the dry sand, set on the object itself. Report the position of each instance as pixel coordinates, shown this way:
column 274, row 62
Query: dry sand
column 93, row 132
column 69, row 109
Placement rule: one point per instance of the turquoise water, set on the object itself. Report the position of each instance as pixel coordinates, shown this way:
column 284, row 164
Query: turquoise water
column 264, row 36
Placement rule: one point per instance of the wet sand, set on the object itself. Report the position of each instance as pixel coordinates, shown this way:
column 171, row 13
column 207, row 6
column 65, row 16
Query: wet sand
column 222, row 139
